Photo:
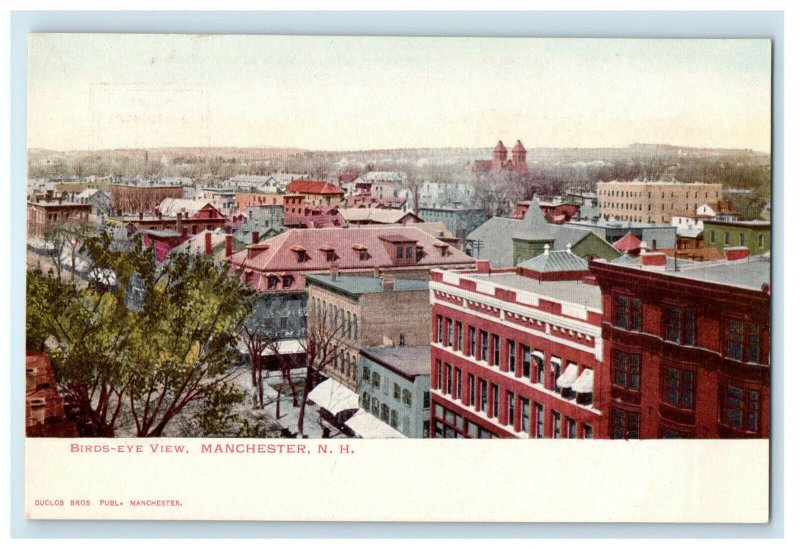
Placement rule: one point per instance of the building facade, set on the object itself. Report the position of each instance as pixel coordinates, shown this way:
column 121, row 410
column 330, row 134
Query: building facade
column 515, row 352
column 753, row 235
column 686, row 347
column 395, row 387
column 43, row 216
column 653, row 201
column 141, row 198
column 363, row 310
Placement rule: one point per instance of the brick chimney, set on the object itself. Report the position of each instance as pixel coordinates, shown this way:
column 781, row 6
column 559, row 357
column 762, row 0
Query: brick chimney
column 387, row 283
column 483, row 266
column 736, row 253
column 255, row 236
column 228, row 245
column 208, row 243
column 653, row 261
column 334, row 272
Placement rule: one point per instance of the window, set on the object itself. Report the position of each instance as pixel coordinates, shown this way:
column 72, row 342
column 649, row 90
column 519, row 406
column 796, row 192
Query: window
column 495, row 400
column 272, row 282
column 628, row 313
column 761, row 241
column 287, row 281
column 484, row 346
column 680, row 326
column 365, row 400
column 484, row 404
column 526, row 362
column 439, row 375
column 539, row 420
column 302, row 256
column 393, row 419
column 426, row 399
column 538, row 357
column 449, row 332
column 555, row 372
column 740, row 408
column 402, row 340
column 426, row 428
column 409, row 252
column 355, row 327
column 627, row 370
column 556, row 425
column 511, row 416
column 495, row 350
column 727, row 238
column 459, row 344
column 743, row 341
column 472, row 341
column 741, row 239
column 525, row 420
column 449, row 389
column 458, row 384
column 362, row 255
column 396, row 392
column 376, row 407
column 384, row 412
column 438, row 328
column 678, row 388
column 329, row 256
column 365, row 374
column 711, row 237
column 588, row 432
column 399, row 252
column 572, row 428
column 625, row 425
column 471, row 389
column 512, row 358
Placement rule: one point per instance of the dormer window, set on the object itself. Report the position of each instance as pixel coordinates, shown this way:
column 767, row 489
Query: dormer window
column 362, row 254
column 399, row 252
column 288, row 281
column 409, row 253
column 272, row 282
column 329, row 256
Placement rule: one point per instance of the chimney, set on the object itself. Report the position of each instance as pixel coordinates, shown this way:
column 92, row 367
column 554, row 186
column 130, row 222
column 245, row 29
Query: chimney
column 179, row 225
column 208, row 243
column 228, row 245
column 483, row 266
column 255, row 236
column 387, row 283
column 736, row 253
column 376, row 272
column 654, row 261
column 334, row 272
column 31, row 377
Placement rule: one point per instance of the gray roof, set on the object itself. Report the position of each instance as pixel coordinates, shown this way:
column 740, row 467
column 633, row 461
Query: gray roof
column 410, row 361
column 569, row 291
column 497, row 234
column 358, row 285
column 557, row 261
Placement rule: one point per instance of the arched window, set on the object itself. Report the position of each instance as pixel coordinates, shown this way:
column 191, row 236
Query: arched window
column 349, row 324
column 355, row 327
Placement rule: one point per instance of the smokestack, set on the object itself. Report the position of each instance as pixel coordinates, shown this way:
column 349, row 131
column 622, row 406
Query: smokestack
column 208, row 243
column 228, row 245
column 255, row 237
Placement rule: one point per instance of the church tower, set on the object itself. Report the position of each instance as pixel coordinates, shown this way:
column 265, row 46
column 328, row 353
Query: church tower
column 518, row 154
column 499, row 156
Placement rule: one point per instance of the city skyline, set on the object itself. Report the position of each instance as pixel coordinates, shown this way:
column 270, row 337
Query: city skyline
column 92, row 92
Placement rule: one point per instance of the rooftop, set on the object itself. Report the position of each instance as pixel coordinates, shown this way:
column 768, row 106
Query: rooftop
column 359, row 285
column 556, row 261
column 610, row 224
column 313, row 187
column 756, row 223
column 410, row 361
column 568, row 291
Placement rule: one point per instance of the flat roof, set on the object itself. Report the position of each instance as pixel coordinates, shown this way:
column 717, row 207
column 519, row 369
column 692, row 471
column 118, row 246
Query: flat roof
column 618, row 224
column 409, row 361
column 568, row 291
column 357, row 285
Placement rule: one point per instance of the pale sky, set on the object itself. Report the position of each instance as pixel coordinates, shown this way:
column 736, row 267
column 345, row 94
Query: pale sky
column 106, row 91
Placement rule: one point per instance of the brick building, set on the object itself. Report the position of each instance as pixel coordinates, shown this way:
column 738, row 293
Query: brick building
column 501, row 162
column 367, row 309
column 44, row 215
column 45, row 415
column 141, row 198
column 317, row 193
column 754, row 235
column 653, row 201
column 515, row 352
column 686, row 346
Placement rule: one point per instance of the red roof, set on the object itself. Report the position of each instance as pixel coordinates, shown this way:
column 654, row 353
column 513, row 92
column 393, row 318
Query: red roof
column 313, row 187
column 519, row 147
column 627, row 243
column 500, row 147
column 346, row 244
column 348, row 177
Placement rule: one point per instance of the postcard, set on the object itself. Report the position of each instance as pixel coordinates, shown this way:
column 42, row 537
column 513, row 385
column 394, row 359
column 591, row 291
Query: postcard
column 398, row 279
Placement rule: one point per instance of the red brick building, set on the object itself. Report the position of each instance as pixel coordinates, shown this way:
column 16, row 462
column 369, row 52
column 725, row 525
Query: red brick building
column 686, row 347
column 317, row 193
column 516, row 352
column 44, row 409
column 44, row 215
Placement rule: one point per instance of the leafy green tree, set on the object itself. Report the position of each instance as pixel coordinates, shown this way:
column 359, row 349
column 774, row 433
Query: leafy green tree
column 146, row 343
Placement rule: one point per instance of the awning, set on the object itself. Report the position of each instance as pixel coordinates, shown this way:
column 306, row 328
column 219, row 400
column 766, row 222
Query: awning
column 568, row 377
column 334, row 397
column 584, row 383
column 365, row 425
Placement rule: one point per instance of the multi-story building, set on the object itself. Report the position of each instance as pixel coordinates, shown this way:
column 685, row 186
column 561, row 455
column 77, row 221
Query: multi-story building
column 44, row 215
column 754, row 235
column 364, row 312
column 395, row 389
column 515, row 352
column 686, row 346
column 653, row 201
column 501, row 162
column 317, row 193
